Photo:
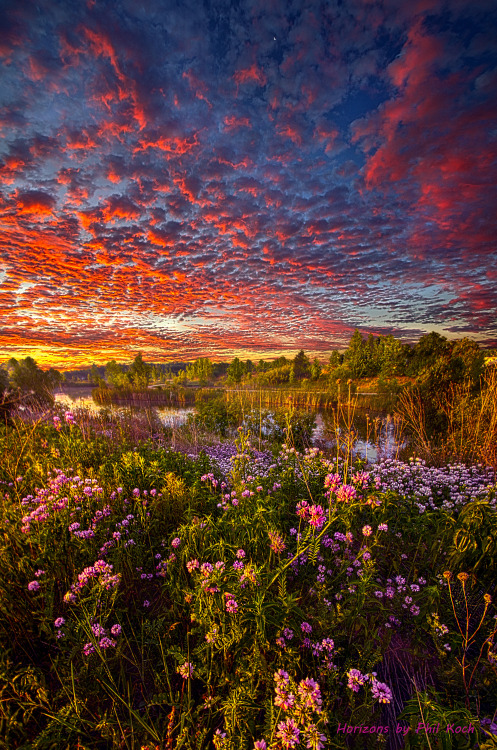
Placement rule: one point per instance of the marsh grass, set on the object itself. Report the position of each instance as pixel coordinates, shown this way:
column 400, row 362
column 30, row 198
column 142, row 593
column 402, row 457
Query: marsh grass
column 469, row 422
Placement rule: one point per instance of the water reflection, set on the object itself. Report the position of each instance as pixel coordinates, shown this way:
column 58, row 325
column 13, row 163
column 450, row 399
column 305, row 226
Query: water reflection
column 371, row 444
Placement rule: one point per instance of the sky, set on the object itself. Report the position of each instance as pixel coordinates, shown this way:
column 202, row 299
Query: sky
column 249, row 178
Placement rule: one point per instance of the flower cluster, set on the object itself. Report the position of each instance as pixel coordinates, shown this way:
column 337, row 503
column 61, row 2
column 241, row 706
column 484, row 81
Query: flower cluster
column 380, row 691
column 101, row 571
column 302, row 705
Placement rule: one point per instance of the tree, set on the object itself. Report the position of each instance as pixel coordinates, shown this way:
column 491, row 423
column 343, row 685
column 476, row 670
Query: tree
column 301, row 366
column 235, row 371
column 336, row 359
column 140, row 372
column 428, row 349
column 316, row 370
column 393, row 356
column 30, row 381
column 355, row 356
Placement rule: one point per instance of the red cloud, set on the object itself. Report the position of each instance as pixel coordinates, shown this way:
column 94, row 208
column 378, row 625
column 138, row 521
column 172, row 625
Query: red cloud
column 231, row 122
column 250, row 75
column 34, row 202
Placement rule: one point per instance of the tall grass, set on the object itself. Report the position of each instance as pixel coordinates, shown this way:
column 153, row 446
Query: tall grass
column 470, row 422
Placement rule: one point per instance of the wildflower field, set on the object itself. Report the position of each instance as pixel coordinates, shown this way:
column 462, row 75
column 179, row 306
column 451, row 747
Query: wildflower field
column 229, row 597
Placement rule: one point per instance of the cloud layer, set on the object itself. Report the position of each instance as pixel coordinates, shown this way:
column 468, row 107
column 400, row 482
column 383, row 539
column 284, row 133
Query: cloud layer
column 229, row 179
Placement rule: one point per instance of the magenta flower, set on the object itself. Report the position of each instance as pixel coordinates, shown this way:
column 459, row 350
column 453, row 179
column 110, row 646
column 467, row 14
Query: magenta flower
column 289, row 733
column 306, row 627
column 260, row 745
column 316, row 516
column 310, row 694
column 33, row 586
column 277, row 544
column 107, row 643
column 59, row 622
column 355, row 679
column 332, row 481
column 303, row 509
column 346, row 493
column 381, row 692
column 185, row 670
column 176, row 542
column 314, row 739
column 367, row 530
column 116, row 629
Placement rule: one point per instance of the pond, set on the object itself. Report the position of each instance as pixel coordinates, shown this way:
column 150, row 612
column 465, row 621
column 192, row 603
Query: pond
column 370, row 446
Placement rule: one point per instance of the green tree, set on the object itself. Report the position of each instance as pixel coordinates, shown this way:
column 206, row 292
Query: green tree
column 336, row 359
column 428, row 349
column 356, row 356
column 316, row 370
column 301, row 366
column 235, row 371
column 140, row 372
column 393, row 356
column 30, row 382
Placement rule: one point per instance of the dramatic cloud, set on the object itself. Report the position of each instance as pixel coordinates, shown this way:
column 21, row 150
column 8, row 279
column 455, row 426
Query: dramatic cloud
column 244, row 179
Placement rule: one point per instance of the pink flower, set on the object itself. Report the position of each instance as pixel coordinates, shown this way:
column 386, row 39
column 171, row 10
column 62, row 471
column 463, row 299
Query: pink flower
column 317, row 516
column 381, row 692
column 355, row 679
column 185, row 670
column 289, row 733
column 346, row 493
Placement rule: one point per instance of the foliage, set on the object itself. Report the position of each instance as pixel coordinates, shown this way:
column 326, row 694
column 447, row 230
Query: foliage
column 149, row 598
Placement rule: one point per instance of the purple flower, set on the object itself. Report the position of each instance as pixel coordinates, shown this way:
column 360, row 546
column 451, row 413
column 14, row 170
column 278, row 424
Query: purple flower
column 88, row 649
column 310, row 694
column 383, row 527
column 355, row 679
column 59, row 622
column 231, row 605
column 315, row 740
column 97, row 629
column 176, row 542
column 306, row 627
column 116, row 629
column 346, row 493
column 185, row 670
column 240, row 554
column 381, row 692
column 367, row 530
column 316, row 516
column 146, row 603
column 39, row 573
column 107, row 643
column 260, row 745
column 289, row 733
column 33, row 586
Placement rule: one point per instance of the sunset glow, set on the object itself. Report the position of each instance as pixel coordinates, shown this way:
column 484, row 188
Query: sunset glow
column 245, row 179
